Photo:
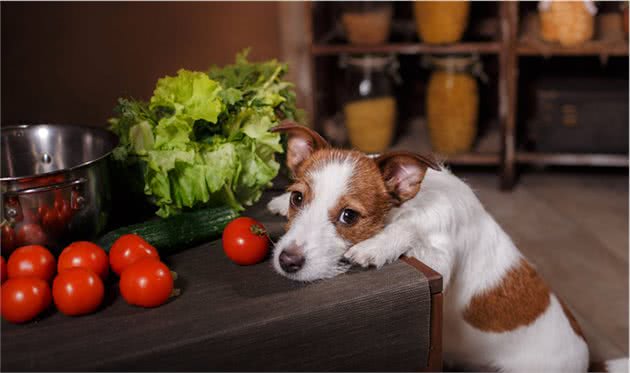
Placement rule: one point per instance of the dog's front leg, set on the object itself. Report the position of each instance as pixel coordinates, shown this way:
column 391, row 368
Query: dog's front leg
column 434, row 250
column 384, row 247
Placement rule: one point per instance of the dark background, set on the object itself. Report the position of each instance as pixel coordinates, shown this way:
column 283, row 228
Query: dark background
column 69, row 62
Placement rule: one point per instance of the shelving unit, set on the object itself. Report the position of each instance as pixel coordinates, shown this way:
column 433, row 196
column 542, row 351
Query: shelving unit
column 512, row 36
column 407, row 48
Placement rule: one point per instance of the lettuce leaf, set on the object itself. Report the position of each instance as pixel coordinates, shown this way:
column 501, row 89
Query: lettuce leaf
column 203, row 138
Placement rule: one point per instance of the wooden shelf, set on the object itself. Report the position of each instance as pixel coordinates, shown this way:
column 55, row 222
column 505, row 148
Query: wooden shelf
column 607, row 42
column 508, row 36
column 593, row 48
column 474, row 159
column 485, row 153
column 490, row 47
column 566, row 159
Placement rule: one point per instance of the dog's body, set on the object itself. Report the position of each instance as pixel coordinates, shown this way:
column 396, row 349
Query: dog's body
column 498, row 313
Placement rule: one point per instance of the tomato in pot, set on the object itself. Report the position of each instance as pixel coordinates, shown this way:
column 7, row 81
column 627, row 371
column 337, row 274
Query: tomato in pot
column 245, row 241
column 30, row 234
column 52, row 222
column 8, row 239
column 78, row 291
column 31, row 261
column 24, row 298
column 64, row 210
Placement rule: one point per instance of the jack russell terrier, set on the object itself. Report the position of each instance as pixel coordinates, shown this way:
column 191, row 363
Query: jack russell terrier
column 347, row 208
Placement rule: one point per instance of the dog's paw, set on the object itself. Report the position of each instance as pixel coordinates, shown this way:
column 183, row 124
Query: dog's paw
column 279, row 205
column 366, row 253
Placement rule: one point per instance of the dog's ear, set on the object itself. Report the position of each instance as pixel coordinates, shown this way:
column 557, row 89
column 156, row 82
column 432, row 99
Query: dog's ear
column 302, row 142
column 403, row 173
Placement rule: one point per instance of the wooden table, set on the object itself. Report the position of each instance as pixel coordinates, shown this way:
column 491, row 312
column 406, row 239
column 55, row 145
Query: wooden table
column 233, row 318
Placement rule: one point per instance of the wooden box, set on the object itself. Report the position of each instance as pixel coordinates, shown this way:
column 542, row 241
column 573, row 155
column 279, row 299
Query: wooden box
column 580, row 115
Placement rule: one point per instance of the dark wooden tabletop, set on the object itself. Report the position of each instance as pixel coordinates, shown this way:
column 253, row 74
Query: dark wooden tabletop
column 230, row 317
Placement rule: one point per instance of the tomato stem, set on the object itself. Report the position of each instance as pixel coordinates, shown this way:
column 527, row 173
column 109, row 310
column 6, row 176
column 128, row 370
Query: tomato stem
column 175, row 293
column 174, row 275
column 258, row 230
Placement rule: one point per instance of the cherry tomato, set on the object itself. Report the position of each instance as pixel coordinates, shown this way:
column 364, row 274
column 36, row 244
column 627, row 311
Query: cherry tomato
column 31, row 215
column 8, row 239
column 78, row 291
column 30, row 234
column 3, row 269
column 24, row 298
column 128, row 249
column 86, row 255
column 62, row 206
column 146, row 283
column 52, row 221
column 32, row 260
column 245, row 241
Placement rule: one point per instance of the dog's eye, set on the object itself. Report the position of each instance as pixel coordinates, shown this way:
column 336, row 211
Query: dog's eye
column 348, row 216
column 296, row 199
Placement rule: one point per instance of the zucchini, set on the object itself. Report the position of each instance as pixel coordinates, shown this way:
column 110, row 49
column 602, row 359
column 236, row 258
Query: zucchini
column 175, row 233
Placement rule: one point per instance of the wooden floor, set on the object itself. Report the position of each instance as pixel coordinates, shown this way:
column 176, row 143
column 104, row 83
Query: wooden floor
column 574, row 228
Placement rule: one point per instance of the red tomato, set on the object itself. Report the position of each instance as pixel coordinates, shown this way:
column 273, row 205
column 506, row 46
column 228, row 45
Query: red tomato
column 245, row 241
column 146, row 283
column 85, row 255
column 128, row 249
column 52, row 221
column 62, row 206
column 3, row 269
column 78, row 291
column 32, row 260
column 24, row 298
column 30, row 234
column 30, row 215
column 8, row 239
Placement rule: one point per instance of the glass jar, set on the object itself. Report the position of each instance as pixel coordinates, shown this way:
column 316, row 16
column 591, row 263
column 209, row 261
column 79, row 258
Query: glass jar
column 567, row 22
column 452, row 103
column 367, row 22
column 441, row 22
column 369, row 103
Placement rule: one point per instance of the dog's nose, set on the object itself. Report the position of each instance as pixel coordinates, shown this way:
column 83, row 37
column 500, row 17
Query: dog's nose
column 291, row 259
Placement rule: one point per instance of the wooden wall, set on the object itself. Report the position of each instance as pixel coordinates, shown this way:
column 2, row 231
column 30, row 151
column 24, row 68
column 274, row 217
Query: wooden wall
column 68, row 62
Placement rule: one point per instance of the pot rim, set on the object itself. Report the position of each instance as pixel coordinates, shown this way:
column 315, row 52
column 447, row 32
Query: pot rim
column 104, row 132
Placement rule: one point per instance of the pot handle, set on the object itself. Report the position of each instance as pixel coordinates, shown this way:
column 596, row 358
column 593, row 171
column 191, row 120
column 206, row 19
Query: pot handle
column 12, row 204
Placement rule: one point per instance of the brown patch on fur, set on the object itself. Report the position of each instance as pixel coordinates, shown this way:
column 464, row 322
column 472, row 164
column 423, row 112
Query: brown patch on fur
column 517, row 301
column 366, row 193
column 574, row 324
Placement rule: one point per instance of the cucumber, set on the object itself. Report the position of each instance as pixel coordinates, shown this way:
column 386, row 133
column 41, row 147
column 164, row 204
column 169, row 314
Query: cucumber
column 175, row 233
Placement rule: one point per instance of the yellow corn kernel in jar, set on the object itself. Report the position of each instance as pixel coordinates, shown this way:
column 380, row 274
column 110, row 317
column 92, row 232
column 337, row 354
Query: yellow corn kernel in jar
column 367, row 27
column 370, row 123
column 440, row 22
column 452, row 106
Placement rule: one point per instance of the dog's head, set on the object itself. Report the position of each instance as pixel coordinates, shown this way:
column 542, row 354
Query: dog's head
column 338, row 198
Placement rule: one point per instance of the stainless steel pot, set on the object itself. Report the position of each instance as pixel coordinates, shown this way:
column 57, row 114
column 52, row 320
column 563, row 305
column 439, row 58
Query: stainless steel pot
column 55, row 184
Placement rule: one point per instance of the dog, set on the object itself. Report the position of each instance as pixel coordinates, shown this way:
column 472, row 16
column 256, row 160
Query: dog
column 346, row 208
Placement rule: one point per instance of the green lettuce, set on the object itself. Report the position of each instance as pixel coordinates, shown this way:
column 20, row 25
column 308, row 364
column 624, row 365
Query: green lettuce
column 203, row 138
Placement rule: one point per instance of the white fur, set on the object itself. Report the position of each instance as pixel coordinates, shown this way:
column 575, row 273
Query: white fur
column 312, row 229
column 280, row 205
column 446, row 227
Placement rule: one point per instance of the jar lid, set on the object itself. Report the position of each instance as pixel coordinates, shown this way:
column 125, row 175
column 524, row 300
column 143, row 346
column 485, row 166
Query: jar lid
column 457, row 62
column 368, row 61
